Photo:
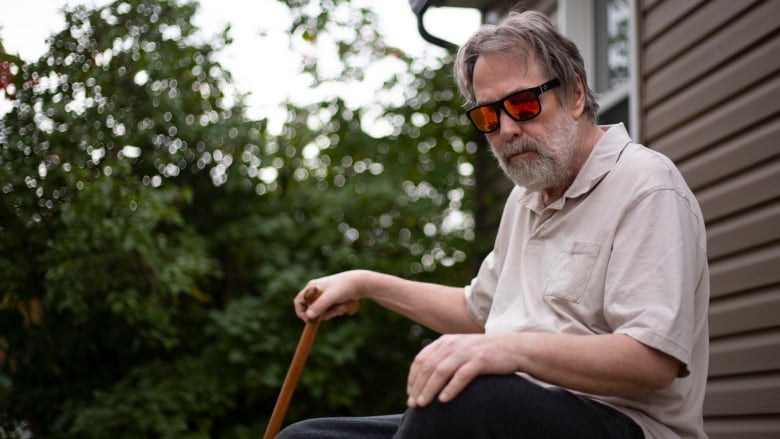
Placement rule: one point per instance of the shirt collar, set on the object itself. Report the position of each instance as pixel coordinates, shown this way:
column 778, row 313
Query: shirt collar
column 601, row 160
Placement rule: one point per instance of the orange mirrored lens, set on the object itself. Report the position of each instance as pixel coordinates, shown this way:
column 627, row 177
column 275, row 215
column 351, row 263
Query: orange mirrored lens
column 484, row 118
column 522, row 106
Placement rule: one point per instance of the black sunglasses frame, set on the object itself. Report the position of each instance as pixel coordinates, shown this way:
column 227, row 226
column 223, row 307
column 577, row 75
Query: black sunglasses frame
column 498, row 105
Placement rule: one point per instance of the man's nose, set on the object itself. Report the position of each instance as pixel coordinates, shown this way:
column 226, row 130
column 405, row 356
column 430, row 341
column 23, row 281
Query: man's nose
column 508, row 127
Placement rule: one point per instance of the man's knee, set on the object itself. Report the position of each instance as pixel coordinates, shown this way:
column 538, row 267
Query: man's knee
column 480, row 408
column 301, row 430
column 371, row 427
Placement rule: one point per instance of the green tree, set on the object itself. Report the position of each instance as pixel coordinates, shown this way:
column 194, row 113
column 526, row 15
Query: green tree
column 152, row 236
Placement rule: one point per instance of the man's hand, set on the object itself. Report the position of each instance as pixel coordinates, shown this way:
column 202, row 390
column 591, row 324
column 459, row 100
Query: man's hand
column 446, row 366
column 336, row 295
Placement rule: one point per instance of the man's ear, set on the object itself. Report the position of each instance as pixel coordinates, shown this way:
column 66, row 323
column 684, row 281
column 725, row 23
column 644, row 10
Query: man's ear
column 577, row 102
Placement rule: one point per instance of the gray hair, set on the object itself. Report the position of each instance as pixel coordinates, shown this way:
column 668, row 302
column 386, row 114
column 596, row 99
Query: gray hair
column 520, row 37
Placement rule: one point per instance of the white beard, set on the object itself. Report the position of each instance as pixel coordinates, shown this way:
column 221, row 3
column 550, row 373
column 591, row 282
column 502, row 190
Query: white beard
column 551, row 168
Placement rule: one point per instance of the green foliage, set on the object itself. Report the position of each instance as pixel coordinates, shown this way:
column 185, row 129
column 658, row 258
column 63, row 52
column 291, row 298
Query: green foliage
column 152, row 237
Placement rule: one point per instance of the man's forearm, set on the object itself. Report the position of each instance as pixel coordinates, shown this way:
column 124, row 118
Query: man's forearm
column 610, row 364
column 440, row 308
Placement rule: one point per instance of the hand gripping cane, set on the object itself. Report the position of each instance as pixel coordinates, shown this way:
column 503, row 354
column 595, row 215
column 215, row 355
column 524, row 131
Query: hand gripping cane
column 296, row 367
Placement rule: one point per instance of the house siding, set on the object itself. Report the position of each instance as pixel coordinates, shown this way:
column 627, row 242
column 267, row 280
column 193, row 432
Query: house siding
column 710, row 100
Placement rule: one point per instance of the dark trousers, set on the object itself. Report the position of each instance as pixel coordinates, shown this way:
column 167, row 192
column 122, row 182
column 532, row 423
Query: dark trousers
column 491, row 407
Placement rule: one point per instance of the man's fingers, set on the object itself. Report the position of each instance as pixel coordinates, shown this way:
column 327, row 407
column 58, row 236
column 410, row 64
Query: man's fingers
column 336, row 310
column 432, row 369
column 437, row 379
column 301, row 307
column 444, row 368
column 311, row 293
column 304, row 301
column 417, row 374
column 462, row 377
column 309, row 305
column 445, row 382
column 314, row 307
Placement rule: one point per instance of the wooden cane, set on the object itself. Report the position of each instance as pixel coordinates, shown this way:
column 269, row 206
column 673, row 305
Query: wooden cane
column 296, row 367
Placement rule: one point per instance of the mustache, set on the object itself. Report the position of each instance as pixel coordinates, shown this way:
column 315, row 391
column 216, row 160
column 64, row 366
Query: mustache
column 521, row 145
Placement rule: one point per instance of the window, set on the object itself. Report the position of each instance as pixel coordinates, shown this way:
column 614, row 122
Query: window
column 611, row 21
column 604, row 31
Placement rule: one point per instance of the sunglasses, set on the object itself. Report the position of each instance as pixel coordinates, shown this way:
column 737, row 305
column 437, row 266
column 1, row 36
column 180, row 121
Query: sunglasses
column 521, row 106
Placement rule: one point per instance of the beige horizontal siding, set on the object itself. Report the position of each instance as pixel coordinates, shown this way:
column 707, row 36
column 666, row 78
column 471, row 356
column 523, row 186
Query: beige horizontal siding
column 759, row 185
column 735, row 116
column 661, row 15
column 710, row 17
column 728, row 354
column 746, row 271
column 732, row 154
column 727, row 314
column 730, row 41
column 745, row 230
column 715, row 90
column 710, row 100
column 744, row 395
column 744, row 427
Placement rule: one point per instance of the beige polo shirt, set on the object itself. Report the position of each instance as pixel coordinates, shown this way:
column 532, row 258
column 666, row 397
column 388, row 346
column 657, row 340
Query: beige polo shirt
column 623, row 251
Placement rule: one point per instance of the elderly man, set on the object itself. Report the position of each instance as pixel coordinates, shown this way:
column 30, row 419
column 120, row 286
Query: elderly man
column 589, row 317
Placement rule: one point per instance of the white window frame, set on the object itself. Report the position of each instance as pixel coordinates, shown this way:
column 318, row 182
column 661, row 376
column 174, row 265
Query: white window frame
column 576, row 21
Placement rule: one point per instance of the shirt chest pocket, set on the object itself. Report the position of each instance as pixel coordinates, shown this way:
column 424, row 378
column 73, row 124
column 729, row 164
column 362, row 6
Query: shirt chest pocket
column 570, row 271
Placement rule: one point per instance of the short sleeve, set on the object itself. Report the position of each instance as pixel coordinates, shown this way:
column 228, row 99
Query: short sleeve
column 479, row 293
column 653, row 273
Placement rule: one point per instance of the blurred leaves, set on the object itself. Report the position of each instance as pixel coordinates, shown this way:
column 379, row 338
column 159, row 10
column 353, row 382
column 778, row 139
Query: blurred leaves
column 152, row 236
